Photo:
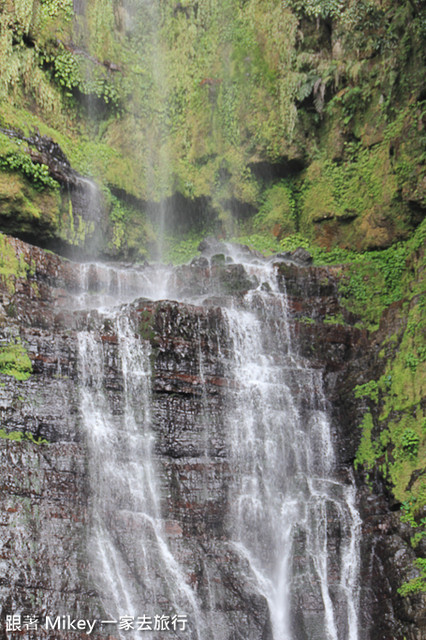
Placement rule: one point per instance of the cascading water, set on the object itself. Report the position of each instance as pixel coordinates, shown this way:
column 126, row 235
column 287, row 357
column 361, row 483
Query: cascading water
column 284, row 491
column 144, row 19
column 284, row 499
column 131, row 559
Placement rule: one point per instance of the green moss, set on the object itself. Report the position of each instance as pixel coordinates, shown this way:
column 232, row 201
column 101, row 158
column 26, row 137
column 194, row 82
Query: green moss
column 29, row 197
column 11, row 266
column 72, row 228
column 415, row 585
column 21, row 436
column 403, row 437
column 277, row 214
column 146, row 330
column 154, row 99
column 38, row 174
column 368, row 450
column 264, row 243
column 14, row 361
column 370, row 390
column 372, row 280
column 334, row 319
column 357, row 203
column 397, row 401
column 182, row 250
column 131, row 233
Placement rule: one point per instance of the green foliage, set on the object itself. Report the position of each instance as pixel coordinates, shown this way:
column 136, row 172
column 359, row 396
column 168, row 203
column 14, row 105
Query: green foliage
column 368, row 449
column 130, row 231
column 21, row 436
column 189, row 99
column 410, row 442
column 146, row 330
column 277, row 213
column 398, row 442
column 334, row 319
column 412, row 361
column 65, row 68
column 371, row 280
column 14, row 361
column 21, row 79
column 349, row 101
column 409, row 509
column 419, row 535
column 12, row 266
column 295, row 240
column 38, row 174
column 374, row 280
column 369, row 390
column 354, row 194
column 265, row 243
column 393, row 438
column 90, row 79
column 182, row 250
column 118, row 217
column 318, row 8
column 418, row 584
column 52, row 8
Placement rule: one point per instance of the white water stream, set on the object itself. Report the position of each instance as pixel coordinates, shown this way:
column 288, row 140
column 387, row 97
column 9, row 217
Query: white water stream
column 125, row 494
column 284, row 492
column 284, row 499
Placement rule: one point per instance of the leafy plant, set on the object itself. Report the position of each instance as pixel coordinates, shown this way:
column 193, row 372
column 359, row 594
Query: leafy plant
column 368, row 449
column 11, row 265
column 74, row 73
column 418, row 584
column 318, row 8
column 412, row 362
column 277, row 213
column 410, row 442
column 409, row 509
column 181, row 250
column 52, row 8
column 14, row 361
column 37, row 173
column 21, row 436
column 369, row 389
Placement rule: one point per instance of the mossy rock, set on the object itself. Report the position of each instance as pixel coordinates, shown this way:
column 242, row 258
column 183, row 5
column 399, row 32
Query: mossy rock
column 11, row 266
column 14, row 361
column 24, row 211
column 355, row 204
column 277, row 214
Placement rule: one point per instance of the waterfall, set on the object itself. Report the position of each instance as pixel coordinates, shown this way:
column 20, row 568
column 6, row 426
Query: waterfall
column 291, row 522
column 144, row 25
column 284, row 491
column 131, row 558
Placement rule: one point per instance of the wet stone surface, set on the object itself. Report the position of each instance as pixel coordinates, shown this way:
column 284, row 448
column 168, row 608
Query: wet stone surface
column 44, row 496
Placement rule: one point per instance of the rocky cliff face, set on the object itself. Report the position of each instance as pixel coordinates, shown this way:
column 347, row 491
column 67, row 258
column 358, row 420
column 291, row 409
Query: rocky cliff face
column 45, row 486
column 316, row 126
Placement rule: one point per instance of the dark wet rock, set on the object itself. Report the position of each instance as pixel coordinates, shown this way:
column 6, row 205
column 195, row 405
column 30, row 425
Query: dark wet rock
column 43, row 502
column 218, row 259
column 301, row 256
column 80, row 194
column 221, row 279
column 49, row 153
column 279, row 257
column 200, row 262
column 44, row 488
column 210, row 246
